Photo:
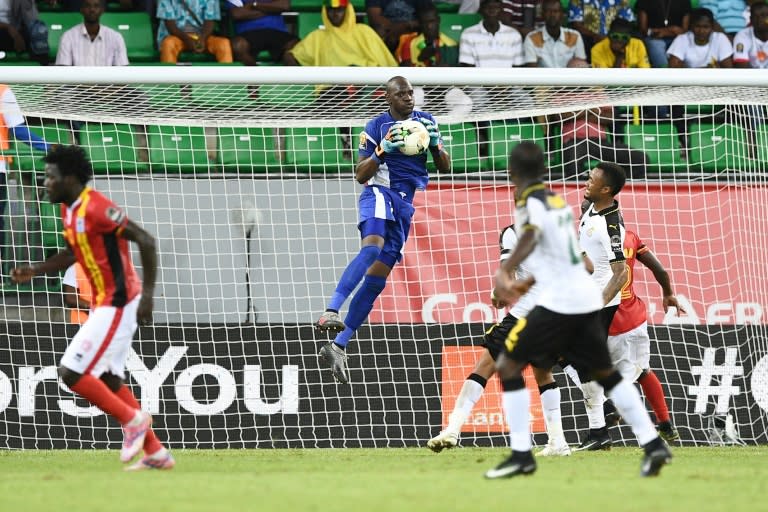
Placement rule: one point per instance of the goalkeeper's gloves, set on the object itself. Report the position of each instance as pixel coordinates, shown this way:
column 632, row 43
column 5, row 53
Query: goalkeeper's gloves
column 434, row 135
column 391, row 142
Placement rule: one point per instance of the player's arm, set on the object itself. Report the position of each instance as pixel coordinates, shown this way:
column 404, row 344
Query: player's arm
column 616, row 257
column 368, row 164
column 661, row 275
column 148, row 254
column 55, row 263
column 618, row 278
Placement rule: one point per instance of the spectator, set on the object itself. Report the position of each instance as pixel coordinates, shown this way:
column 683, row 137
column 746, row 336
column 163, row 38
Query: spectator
column 259, row 26
column 429, row 47
column 701, row 46
column 21, row 30
column 343, row 41
column 659, row 22
column 89, row 43
column 592, row 18
column 393, row 18
column 553, row 45
column 728, row 14
column 620, row 49
column 751, row 43
column 77, row 293
column 522, row 15
column 11, row 124
column 188, row 25
column 490, row 43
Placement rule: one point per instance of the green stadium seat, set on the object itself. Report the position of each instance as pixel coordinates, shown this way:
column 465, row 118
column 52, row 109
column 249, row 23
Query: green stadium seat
column 308, row 22
column 317, row 150
column 461, row 143
column 718, row 147
column 661, row 144
column 447, row 7
column 136, row 29
column 175, row 149
column 111, row 148
column 286, row 97
column 58, row 23
column 222, row 97
column 505, row 135
column 51, row 227
column 452, row 25
column 28, row 159
column 248, row 150
column 302, row 6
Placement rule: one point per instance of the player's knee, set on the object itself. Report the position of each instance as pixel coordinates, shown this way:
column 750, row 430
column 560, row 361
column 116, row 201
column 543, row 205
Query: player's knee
column 609, row 382
column 68, row 377
column 369, row 253
column 113, row 382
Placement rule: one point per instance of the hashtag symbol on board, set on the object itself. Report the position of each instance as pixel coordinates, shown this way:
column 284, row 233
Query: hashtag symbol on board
column 707, row 371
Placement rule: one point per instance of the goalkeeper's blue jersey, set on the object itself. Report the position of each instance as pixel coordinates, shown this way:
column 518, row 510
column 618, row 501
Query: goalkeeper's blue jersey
column 401, row 173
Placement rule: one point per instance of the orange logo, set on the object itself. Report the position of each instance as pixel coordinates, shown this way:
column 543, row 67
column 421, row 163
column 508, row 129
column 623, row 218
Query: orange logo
column 487, row 415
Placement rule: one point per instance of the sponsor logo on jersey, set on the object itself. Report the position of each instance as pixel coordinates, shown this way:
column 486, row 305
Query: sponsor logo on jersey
column 363, row 141
column 116, row 215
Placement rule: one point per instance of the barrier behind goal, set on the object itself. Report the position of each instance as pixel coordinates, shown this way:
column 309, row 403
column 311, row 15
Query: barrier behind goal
column 245, row 178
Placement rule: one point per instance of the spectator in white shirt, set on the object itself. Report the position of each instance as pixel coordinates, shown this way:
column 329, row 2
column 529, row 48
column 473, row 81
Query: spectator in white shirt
column 751, row 44
column 490, row 44
column 553, row 46
column 701, row 46
column 90, row 43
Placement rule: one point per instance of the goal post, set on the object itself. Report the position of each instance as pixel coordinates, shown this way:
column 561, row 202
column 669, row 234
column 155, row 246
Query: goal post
column 245, row 177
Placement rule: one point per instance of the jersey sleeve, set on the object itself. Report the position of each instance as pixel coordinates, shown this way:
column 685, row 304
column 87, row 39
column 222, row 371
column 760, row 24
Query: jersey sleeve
column 741, row 46
column 368, row 141
column 613, row 243
column 507, row 241
column 640, row 247
column 106, row 217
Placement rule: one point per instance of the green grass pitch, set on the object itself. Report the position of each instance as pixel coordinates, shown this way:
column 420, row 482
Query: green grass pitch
column 392, row 480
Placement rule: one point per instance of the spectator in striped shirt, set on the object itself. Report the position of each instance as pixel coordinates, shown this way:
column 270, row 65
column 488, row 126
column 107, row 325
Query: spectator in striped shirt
column 490, row 43
column 90, row 43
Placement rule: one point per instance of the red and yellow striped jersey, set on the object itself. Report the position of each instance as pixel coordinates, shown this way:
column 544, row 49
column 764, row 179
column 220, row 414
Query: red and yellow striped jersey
column 93, row 226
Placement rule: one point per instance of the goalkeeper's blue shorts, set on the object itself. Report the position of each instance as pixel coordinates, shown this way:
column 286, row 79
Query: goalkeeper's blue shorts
column 384, row 213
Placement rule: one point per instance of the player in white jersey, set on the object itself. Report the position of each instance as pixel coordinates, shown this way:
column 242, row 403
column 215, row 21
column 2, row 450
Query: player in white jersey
column 601, row 237
column 485, row 367
column 565, row 321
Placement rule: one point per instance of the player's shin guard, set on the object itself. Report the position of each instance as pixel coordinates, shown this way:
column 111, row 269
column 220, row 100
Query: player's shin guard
column 352, row 275
column 630, row 405
column 517, row 402
column 470, row 393
column 654, row 394
column 95, row 391
column 594, row 396
column 360, row 307
column 151, row 443
column 550, row 403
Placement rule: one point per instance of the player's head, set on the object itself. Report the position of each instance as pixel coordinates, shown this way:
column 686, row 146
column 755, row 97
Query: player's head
column 605, row 181
column 526, row 162
column 67, row 170
column 336, row 11
column 399, row 97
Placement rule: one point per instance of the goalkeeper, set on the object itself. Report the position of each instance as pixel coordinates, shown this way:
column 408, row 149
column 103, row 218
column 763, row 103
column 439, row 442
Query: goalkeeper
column 391, row 179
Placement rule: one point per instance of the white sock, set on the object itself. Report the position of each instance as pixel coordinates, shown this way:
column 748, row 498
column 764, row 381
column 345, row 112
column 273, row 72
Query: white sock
column 629, row 404
column 470, row 393
column 594, row 396
column 550, row 403
column 516, row 410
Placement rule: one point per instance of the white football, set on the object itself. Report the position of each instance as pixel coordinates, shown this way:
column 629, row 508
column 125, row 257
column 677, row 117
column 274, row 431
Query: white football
column 416, row 137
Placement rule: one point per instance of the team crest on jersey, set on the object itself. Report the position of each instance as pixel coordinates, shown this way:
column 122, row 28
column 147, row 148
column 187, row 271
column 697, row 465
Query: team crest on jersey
column 363, row 141
column 740, row 47
column 80, row 225
column 116, row 215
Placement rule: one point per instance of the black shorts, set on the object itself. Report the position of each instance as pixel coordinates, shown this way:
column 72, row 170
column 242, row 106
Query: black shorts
column 543, row 337
column 271, row 40
column 495, row 336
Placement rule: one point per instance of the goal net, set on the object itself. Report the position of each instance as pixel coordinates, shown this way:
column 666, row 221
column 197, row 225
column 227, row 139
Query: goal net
column 245, row 177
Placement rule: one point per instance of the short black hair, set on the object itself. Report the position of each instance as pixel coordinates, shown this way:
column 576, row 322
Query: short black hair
column 621, row 25
column 71, row 161
column 614, row 176
column 527, row 159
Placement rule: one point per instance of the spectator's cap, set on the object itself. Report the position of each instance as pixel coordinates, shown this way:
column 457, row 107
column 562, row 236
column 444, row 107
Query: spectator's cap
column 334, row 4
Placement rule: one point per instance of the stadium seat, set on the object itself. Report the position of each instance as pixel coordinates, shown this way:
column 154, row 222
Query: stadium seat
column 111, row 148
column 221, row 98
column 452, row 25
column 661, row 144
column 461, row 143
column 308, row 22
column 28, row 159
column 136, row 29
column 286, row 97
column 718, row 147
column 58, row 23
column 315, row 6
column 50, row 227
column 178, row 149
column 317, row 150
column 247, row 150
column 447, row 7
column 503, row 136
